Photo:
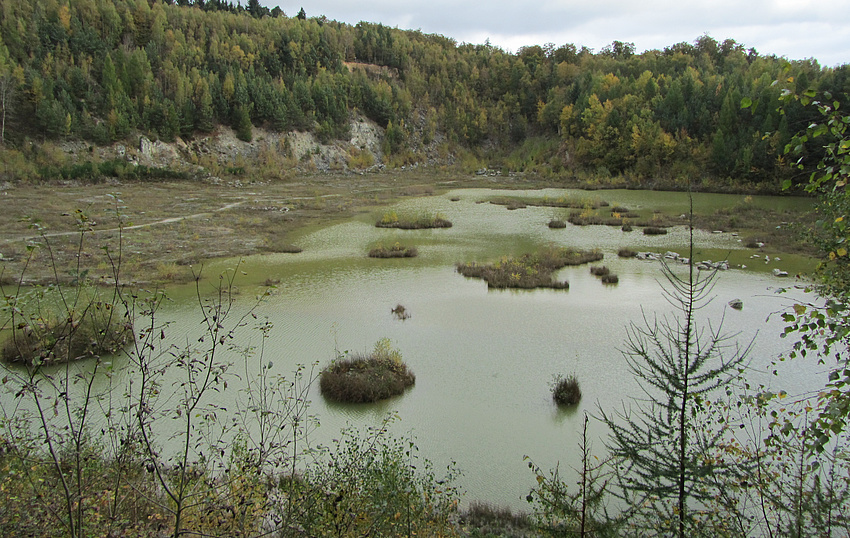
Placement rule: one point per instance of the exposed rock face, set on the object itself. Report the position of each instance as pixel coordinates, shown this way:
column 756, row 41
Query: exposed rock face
column 303, row 149
column 146, row 147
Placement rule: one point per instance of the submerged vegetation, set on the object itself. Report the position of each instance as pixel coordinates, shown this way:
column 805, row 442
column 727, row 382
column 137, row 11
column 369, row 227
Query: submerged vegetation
column 533, row 270
column 362, row 378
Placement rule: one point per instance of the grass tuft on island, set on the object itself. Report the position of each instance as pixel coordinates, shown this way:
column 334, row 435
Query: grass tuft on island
column 365, row 378
column 391, row 219
column 396, row 251
column 529, row 271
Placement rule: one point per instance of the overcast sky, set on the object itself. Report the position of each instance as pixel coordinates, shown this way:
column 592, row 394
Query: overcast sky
column 795, row 29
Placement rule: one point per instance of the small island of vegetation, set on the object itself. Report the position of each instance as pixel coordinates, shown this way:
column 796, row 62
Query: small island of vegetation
column 367, row 378
column 566, row 391
column 391, row 219
column 395, row 251
column 534, row 270
column 59, row 339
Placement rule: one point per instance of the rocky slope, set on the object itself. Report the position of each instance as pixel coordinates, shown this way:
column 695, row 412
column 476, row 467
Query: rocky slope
column 298, row 151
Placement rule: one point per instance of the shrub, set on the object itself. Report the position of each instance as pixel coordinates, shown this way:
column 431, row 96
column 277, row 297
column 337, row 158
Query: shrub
column 367, row 378
column 565, row 390
column 626, row 253
column 654, row 230
column 626, row 227
column 557, row 223
column 610, row 279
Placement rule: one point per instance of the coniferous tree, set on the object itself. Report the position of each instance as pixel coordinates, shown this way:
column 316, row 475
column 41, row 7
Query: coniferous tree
column 659, row 449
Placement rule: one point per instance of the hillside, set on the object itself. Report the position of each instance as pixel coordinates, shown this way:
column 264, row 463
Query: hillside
column 315, row 94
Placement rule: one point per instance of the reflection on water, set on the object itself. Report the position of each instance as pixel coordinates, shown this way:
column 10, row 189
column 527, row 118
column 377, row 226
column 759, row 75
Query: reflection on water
column 484, row 360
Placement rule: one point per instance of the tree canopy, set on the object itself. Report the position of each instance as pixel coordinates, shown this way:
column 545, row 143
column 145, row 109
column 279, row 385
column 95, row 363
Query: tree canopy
column 100, row 70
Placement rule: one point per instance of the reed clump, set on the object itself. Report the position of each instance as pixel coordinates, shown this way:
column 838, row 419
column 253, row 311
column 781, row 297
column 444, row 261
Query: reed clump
column 566, row 390
column 599, row 270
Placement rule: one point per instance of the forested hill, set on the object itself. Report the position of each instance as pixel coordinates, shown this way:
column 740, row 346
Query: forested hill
column 109, row 70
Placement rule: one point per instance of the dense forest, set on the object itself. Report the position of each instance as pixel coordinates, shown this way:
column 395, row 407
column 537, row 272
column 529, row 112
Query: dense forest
column 106, row 70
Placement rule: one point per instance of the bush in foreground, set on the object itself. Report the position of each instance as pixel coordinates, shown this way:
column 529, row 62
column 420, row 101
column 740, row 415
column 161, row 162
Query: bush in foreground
column 367, row 378
column 654, row 230
column 565, row 390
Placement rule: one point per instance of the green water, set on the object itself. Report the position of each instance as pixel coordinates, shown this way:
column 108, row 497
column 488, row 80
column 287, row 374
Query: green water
column 484, row 359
